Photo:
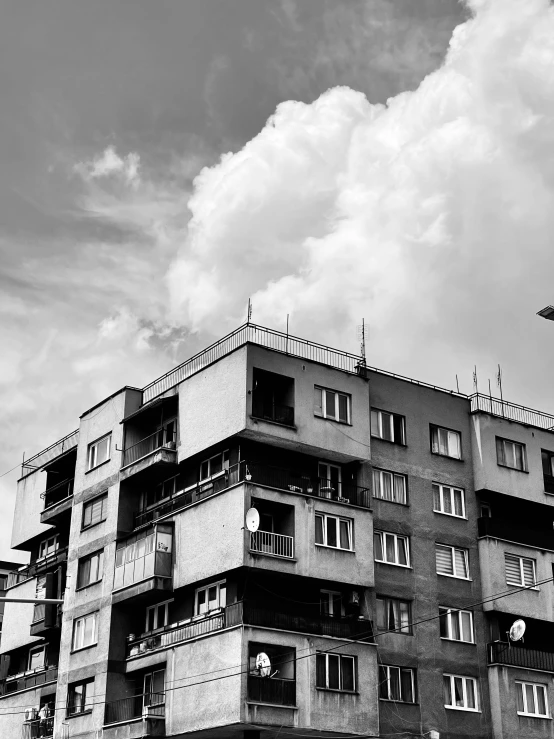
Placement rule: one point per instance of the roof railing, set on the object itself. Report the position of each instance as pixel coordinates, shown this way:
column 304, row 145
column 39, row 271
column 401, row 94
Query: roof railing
column 511, row 411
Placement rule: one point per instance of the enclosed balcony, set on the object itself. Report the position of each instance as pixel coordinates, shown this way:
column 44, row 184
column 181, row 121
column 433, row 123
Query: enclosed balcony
column 28, row 679
column 143, row 563
column 150, row 437
column 273, row 397
column 39, row 566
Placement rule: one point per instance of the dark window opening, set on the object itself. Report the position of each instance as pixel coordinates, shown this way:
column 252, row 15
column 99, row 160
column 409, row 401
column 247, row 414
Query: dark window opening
column 273, row 397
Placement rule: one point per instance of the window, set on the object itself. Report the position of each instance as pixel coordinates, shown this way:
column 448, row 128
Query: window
column 331, row 603
column 99, row 452
column 331, row 404
column 95, row 511
column 460, row 693
column 520, row 571
column 548, row 470
column 388, row 426
column 48, row 546
column 396, row 684
column 36, row 658
column 531, row 699
column 331, row 531
column 452, row 561
column 214, row 465
column 79, row 697
column 84, row 631
column 211, row 597
column 511, row 454
column 335, row 672
column 157, row 616
column 394, row 615
column 389, row 486
column 329, row 478
column 445, row 442
column 153, row 688
column 456, row 625
column 449, row 500
column 391, row 548
column 90, row 569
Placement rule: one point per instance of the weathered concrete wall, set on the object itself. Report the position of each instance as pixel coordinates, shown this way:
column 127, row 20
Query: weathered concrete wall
column 18, row 617
column 28, row 507
column 507, row 723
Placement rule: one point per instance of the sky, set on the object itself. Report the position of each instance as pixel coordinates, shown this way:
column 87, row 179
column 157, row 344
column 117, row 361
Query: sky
column 161, row 163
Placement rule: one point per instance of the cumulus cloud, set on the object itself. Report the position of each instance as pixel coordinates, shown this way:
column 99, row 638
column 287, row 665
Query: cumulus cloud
column 111, row 164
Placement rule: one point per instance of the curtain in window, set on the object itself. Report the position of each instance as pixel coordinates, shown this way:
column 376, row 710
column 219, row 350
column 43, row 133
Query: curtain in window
column 400, row 489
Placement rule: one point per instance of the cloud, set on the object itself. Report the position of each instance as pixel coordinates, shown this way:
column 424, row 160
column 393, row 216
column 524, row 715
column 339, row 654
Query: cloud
column 110, row 164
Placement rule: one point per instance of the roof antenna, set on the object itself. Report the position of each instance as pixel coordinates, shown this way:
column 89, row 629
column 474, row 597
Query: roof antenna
column 361, row 338
column 499, row 383
column 249, row 315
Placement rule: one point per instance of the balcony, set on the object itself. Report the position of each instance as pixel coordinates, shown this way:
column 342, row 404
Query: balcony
column 267, row 542
column 38, row 729
column 29, row 679
column 37, row 567
column 143, row 563
column 503, row 653
column 58, row 500
column 158, row 448
column 150, row 706
column 511, row 530
column 46, row 616
column 251, row 613
column 272, row 690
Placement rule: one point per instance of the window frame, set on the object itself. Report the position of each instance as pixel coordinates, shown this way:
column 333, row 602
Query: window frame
column 56, row 546
column 36, row 649
column 380, row 472
column 206, row 589
column 331, row 602
column 223, row 455
column 323, row 404
column 442, row 488
column 521, row 584
column 92, row 452
column 341, row 658
column 387, row 600
column 453, row 560
column 523, row 693
column 396, row 538
column 438, row 453
column 465, row 679
column 156, row 609
column 387, row 682
column 86, row 705
column 92, row 614
column 379, row 418
column 501, row 442
column 99, row 553
column 448, row 614
column 90, row 502
column 350, row 528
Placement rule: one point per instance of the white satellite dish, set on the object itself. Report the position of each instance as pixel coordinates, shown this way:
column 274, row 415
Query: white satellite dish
column 517, row 630
column 263, row 664
column 252, row 520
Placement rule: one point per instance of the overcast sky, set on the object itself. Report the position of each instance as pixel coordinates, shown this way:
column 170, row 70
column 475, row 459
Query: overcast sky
column 161, row 162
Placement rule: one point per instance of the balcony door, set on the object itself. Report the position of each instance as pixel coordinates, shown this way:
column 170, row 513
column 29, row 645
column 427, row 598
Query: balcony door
column 153, row 688
column 330, row 480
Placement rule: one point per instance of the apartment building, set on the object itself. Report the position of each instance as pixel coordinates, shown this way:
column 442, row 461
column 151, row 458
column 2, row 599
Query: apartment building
column 273, row 539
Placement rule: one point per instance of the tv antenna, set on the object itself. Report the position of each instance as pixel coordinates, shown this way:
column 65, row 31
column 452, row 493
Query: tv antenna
column 249, row 313
column 517, row 630
column 360, row 331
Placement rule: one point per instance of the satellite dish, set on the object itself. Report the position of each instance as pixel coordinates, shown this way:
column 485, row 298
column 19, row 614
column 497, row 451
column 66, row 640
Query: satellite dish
column 263, row 664
column 252, row 520
column 517, row 630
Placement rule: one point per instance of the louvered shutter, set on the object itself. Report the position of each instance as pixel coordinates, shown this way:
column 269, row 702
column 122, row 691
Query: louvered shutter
column 444, row 560
column 513, row 572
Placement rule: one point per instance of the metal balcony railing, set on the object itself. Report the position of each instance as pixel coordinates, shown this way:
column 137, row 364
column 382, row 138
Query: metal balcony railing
column 38, row 728
column 58, row 493
column 50, row 453
column 273, row 412
column 35, row 568
column 503, row 653
column 268, row 542
column 148, row 445
column 272, row 690
column 29, row 679
column 511, row 411
column 138, row 706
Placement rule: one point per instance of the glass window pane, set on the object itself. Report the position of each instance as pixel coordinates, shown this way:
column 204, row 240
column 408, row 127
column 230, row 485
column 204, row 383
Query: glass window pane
column 460, row 562
column 345, row 535
column 437, row 498
column 347, row 669
column 458, row 692
column 447, row 499
column 454, row 444
column 394, row 686
column 458, row 502
column 318, row 407
column 541, row 700
column 402, row 551
column 212, row 598
column 319, row 530
column 375, row 430
column 530, row 698
column 383, row 683
column 455, row 625
column 390, row 549
column 343, row 408
column 380, row 607
column 321, row 665
column 500, row 456
column 435, row 440
column 386, row 420
column 222, row 595
column 447, row 685
column 519, row 697
column 467, row 631
column 331, row 531
column 329, row 404
column 518, row 456
column 378, row 546
column 406, row 686
column 399, row 489
column 443, row 441
column 201, row 601
column 386, row 479
column 334, row 678
column 470, row 690
column 443, row 621
column 405, row 617
column 376, row 475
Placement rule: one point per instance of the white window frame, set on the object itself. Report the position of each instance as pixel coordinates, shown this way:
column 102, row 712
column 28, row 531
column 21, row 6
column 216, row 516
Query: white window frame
column 223, row 456
column 327, row 478
column 33, row 651
column 522, row 583
column 452, row 705
column 341, row 657
column 205, row 590
column 387, row 669
column 338, row 519
column 85, row 699
column 378, row 475
column 407, row 630
column 158, row 609
column 43, row 547
column 89, row 503
column 453, row 560
column 76, row 644
column 381, row 422
column 521, row 685
column 452, row 614
column 447, row 439
column 92, row 452
column 396, row 538
column 99, row 555
column 325, row 411
column 508, row 451
column 331, row 597
column 448, row 490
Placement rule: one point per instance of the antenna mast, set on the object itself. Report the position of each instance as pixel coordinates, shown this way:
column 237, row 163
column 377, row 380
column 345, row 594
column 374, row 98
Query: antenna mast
column 361, row 336
column 249, row 313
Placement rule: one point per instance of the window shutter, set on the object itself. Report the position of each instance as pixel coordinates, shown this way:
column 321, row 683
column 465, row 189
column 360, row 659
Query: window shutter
column 513, row 573
column 444, row 560
column 528, row 572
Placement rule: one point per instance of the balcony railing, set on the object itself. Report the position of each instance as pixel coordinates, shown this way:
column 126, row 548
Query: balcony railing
column 503, row 653
column 30, row 679
column 38, row 728
column 271, row 690
column 273, row 412
column 58, row 493
column 511, row 411
column 267, row 542
column 138, row 706
column 50, row 453
column 35, row 568
column 252, row 614
column 148, row 445
column 510, row 530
